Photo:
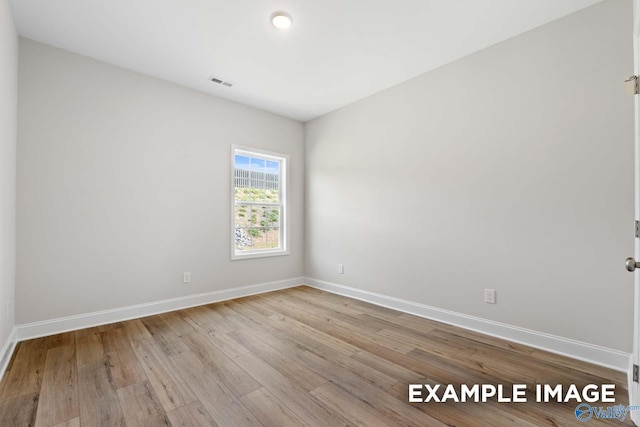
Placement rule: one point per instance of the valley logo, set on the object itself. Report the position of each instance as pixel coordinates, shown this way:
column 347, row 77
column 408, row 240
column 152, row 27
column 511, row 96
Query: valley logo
column 584, row 412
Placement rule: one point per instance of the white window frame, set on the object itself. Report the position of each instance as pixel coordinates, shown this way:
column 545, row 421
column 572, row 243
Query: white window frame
column 284, row 197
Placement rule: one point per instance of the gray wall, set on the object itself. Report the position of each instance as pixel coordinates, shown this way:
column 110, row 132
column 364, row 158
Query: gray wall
column 8, row 140
column 124, row 183
column 510, row 169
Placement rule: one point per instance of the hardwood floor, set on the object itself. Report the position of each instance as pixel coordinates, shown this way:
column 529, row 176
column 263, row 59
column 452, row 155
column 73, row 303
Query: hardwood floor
column 288, row 358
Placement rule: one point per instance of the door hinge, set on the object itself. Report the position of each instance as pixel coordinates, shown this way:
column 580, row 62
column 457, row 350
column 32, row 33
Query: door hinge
column 634, row 84
column 637, row 229
column 635, row 373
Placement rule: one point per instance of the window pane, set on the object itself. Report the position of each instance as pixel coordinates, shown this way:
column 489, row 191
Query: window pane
column 273, row 238
column 259, row 241
column 243, row 241
column 268, row 216
column 257, row 164
column 242, row 182
column 242, row 215
column 241, row 162
column 254, row 219
column 273, row 167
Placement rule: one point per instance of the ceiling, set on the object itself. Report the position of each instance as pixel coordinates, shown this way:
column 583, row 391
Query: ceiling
column 336, row 51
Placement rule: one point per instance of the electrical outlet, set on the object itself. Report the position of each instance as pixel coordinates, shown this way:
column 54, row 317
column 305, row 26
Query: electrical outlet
column 490, row 296
column 186, row 277
column 340, row 268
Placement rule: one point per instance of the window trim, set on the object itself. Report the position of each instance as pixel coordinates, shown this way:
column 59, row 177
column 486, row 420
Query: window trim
column 284, row 194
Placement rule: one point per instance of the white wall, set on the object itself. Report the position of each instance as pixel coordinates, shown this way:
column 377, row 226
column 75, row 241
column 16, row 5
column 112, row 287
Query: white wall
column 8, row 140
column 510, row 169
column 123, row 184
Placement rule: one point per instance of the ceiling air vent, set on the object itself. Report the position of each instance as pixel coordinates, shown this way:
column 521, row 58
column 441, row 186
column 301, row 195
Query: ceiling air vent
column 220, row 81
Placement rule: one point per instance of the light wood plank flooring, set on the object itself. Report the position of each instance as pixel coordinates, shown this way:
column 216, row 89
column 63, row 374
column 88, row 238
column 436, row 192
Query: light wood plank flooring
column 289, row 358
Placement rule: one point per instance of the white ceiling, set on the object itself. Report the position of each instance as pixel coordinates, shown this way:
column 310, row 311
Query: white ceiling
column 336, row 52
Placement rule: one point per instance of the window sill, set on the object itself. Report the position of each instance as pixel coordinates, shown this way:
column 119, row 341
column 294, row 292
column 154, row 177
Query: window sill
column 253, row 255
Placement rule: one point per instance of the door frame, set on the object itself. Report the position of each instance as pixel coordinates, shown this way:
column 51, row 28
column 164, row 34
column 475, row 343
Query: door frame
column 634, row 387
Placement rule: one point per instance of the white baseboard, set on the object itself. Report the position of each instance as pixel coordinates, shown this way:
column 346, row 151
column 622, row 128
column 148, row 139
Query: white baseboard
column 7, row 351
column 591, row 353
column 80, row 321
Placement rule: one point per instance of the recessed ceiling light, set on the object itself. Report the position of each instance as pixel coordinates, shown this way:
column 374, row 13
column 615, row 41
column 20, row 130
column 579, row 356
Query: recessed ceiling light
column 281, row 20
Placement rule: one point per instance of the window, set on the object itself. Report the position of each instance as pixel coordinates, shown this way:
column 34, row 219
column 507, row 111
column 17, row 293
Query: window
column 259, row 208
